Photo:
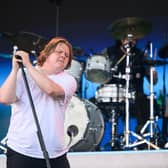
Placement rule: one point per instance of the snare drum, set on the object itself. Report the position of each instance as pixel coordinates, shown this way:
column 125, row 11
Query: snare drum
column 110, row 93
column 98, row 69
column 84, row 125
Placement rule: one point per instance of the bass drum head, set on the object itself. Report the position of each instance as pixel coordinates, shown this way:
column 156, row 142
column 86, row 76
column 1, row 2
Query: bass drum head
column 84, row 125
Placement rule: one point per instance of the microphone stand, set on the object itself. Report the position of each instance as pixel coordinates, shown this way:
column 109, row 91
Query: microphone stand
column 39, row 133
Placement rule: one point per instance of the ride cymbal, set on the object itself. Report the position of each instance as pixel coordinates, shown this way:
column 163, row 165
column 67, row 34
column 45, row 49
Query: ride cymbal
column 138, row 27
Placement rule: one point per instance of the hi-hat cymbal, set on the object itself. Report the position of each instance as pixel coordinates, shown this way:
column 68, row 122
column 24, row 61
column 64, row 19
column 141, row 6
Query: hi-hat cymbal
column 155, row 62
column 138, row 27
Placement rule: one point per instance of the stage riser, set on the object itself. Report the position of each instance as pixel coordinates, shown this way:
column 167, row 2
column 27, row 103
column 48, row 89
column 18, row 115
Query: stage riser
column 119, row 160
column 129, row 159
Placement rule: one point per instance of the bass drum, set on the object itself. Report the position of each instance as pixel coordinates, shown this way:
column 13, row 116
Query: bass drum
column 84, row 125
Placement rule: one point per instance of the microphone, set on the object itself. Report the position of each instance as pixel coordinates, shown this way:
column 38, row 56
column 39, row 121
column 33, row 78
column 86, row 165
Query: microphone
column 72, row 130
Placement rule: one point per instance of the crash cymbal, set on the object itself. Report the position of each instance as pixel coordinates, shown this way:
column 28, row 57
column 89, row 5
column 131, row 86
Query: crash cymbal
column 163, row 52
column 27, row 41
column 129, row 25
column 155, row 62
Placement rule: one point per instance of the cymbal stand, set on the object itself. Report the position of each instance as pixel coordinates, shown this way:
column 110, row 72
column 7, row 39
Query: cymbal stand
column 165, row 119
column 127, row 97
column 114, row 122
column 152, row 121
column 127, row 77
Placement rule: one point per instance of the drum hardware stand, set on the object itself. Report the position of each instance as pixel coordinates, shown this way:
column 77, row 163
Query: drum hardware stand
column 115, row 108
column 152, row 120
column 127, row 97
column 165, row 119
column 113, row 128
column 164, row 106
column 39, row 133
column 3, row 144
column 114, row 118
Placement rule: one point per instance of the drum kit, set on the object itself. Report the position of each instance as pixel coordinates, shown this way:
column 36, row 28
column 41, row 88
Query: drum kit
column 84, row 121
column 97, row 69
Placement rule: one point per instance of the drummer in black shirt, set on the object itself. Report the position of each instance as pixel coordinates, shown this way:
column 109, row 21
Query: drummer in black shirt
column 140, row 108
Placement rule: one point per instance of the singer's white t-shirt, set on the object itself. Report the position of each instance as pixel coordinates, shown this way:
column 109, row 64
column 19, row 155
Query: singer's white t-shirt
column 22, row 132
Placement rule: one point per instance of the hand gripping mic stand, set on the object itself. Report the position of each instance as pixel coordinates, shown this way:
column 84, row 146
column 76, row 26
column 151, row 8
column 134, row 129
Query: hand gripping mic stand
column 127, row 97
column 39, row 133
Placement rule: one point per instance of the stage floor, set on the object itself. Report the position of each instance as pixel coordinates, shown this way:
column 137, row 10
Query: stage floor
column 116, row 159
column 120, row 159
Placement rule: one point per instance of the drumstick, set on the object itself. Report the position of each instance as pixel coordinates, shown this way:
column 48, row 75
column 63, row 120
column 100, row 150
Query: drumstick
column 118, row 62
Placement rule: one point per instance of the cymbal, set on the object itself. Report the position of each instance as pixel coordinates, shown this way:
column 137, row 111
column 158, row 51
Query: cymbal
column 155, row 62
column 163, row 52
column 27, row 41
column 138, row 27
